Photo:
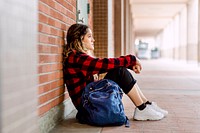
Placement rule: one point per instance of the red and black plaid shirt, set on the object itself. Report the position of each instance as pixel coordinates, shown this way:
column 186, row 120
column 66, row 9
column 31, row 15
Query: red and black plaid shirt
column 79, row 69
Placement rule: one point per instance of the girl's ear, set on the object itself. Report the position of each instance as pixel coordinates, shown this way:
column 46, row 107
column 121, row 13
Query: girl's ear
column 82, row 38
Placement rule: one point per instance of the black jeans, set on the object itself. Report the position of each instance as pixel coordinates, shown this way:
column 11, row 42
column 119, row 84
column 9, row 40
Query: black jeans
column 122, row 77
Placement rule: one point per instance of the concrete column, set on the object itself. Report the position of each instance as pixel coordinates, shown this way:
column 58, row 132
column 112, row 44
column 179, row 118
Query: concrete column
column 176, row 37
column 118, row 27
column 199, row 34
column 126, row 8
column 132, row 35
column 127, row 28
column 183, row 34
column 167, row 41
column 18, row 66
column 110, row 28
column 122, row 27
column 192, row 45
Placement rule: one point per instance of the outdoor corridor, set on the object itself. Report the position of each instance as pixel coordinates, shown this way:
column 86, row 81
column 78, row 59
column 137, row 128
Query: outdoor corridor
column 174, row 85
column 34, row 97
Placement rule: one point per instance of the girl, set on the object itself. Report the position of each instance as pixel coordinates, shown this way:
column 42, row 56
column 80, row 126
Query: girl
column 80, row 67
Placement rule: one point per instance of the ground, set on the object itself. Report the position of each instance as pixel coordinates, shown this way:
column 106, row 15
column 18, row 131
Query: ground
column 174, row 85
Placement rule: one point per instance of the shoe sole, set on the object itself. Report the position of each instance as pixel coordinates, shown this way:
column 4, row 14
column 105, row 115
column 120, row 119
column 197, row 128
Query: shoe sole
column 140, row 119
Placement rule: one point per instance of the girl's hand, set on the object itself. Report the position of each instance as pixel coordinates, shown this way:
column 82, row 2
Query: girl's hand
column 137, row 67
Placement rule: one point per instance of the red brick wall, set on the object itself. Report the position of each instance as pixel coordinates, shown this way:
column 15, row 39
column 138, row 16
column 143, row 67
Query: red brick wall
column 55, row 16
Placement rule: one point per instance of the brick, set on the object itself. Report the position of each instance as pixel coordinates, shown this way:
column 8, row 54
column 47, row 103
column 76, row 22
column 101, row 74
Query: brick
column 54, row 84
column 43, row 18
column 51, row 85
column 52, row 40
column 53, row 13
column 54, row 49
column 43, row 38
column 43, row 8
column 44, row 68
column 60, row 41
column 61, row 8
column 51, row 95
column 51, row 3
column 51, row 22
column 43, row 79
column 73, row 2
column 55, row 32
column 60, row 49
column 57, row 66
column 44, row 88
column 50, row 105
column 59, row 74
column 44, row 28
column 61, row 82
column 44, row 1
column 63, row 26
column 57, row 24
column 44, row 109
column 44, row 49
column 52, row 76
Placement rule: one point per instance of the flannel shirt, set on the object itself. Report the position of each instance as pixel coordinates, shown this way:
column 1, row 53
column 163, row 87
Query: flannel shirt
column 79, row 69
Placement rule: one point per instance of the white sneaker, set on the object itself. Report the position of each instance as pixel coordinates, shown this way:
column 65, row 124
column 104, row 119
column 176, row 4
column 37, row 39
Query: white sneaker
column 158, row 109
column 147, row 114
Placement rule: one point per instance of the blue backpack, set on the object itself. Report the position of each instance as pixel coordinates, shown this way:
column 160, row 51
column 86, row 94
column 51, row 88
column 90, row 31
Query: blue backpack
column 102, row 100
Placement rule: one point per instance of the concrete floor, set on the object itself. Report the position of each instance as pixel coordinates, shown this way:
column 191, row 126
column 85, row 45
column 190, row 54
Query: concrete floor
column 175, row 86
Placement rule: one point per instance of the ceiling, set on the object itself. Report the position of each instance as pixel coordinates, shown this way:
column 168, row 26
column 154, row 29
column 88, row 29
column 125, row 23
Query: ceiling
column 151, row 16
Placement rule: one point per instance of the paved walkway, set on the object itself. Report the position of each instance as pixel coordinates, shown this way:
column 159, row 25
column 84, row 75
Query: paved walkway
column 175, row 86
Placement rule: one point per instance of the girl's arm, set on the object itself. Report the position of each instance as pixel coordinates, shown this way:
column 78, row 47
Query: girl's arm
column 90, row 65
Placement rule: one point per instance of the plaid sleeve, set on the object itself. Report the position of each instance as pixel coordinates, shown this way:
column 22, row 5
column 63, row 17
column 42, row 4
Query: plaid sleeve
column 90, row 65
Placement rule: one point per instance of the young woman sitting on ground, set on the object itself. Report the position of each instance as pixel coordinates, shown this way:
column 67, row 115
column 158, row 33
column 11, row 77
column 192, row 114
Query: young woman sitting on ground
column 80, row 66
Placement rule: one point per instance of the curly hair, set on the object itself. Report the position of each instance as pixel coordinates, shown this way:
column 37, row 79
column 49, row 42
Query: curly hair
column 75, row 34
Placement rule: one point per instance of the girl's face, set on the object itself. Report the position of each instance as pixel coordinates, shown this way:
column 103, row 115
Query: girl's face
column 88, row 40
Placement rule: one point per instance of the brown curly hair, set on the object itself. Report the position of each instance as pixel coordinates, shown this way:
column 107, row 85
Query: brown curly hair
column 75, row 34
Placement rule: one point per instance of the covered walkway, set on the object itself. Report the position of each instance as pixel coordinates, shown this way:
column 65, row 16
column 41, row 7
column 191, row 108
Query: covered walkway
column 33, row 96
column 178, row 81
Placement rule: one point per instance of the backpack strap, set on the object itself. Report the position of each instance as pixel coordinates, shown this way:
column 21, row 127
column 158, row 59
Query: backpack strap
column 127, row 123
